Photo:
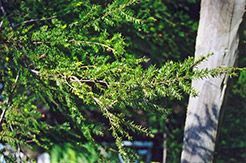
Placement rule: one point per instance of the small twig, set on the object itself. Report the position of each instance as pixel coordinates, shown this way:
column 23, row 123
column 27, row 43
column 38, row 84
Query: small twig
column 87, row 67
column 104, row 108
column 2, row 115
column 109, row 148
column 113, row 103
column 2, row 9
column 96, row 43
column 15, row 84
column 35, row 20
column 29, row 141
column 75, row 79
column 19, row 151
column 98, row 102
column 68, row 83
column 107, row 112
column 11, row 128
column 90, row 81
column 35, row 72
column 38, row 42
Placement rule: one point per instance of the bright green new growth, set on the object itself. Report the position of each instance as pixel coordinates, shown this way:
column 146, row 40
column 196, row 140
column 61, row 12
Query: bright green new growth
column 72, row 63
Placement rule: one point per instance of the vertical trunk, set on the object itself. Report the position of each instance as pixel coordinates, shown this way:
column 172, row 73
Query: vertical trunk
column 218, row 33
column 164, row 160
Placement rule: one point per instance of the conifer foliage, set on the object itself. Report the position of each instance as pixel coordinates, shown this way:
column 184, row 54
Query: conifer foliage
column 60, row 54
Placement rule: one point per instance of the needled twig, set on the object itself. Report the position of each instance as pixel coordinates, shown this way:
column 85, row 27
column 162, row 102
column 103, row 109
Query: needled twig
column 35, row 20
column 11, row 92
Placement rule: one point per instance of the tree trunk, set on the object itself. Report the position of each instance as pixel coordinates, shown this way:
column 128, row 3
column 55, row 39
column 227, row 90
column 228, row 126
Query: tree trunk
column 218, row 33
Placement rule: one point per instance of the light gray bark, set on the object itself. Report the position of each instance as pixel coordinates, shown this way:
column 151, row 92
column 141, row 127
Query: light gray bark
column 164, row 158
column 218, row 32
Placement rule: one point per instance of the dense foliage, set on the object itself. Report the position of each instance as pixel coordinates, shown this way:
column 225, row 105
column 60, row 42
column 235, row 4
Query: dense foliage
column 84, row 62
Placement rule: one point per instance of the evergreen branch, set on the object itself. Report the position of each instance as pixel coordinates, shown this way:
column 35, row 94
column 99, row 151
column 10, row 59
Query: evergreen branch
column 124, row 5
column 131, row 18
column 34, row 20
column 75, row 79
column 10, row 96
column 174, row 84
column 108, row 115
column 109, row 148
column 127, row 123
column 136, row 127
column 86, row 42
column 96, row 43
column 87, row 15
column 201, row 59
column 92, row 21
column 120, row 8
column 113, row 120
